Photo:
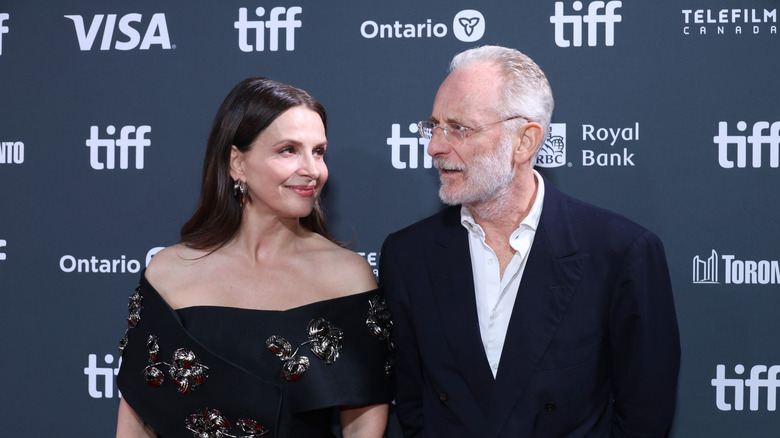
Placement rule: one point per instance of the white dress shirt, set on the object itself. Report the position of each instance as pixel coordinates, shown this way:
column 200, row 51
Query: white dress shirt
column 496, row 294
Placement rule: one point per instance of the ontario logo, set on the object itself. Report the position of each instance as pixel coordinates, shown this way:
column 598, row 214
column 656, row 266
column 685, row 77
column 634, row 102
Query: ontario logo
column 707, row 269
column 553, row 152
column 468, row 26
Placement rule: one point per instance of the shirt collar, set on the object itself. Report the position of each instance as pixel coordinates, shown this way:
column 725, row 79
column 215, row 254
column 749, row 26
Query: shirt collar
column 530, row 222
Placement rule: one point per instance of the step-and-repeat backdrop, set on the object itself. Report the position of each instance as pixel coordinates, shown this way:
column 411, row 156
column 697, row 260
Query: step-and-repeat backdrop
column 667, row 112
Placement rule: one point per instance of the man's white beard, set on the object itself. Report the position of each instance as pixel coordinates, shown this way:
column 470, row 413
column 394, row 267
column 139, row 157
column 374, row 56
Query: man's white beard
column 484, row 181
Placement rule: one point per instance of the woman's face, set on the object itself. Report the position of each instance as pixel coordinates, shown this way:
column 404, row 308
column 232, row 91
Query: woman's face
column 284, row 169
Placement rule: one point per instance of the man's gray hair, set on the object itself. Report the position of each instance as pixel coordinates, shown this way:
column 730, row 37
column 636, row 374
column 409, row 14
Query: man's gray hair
column 526, row 89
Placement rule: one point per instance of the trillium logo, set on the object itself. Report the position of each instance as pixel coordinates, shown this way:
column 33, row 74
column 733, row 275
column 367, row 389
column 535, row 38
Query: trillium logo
column 468, row 25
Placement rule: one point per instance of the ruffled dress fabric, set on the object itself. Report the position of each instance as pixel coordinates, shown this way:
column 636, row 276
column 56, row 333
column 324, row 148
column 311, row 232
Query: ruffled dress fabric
column 181, row 368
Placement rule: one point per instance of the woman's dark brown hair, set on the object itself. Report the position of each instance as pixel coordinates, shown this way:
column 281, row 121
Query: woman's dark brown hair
column 249, row 108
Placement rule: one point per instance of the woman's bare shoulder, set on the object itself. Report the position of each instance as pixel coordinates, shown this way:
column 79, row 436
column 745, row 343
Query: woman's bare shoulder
column 346, row 272
column 174, row 269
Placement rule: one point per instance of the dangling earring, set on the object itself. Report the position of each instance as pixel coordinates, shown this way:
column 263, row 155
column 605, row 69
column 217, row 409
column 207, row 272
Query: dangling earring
column 239, row 193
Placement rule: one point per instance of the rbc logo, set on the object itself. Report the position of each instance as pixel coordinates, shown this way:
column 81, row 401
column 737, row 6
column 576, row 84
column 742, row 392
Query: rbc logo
column 273, row 24
column 592, row 19
column 156, row 32
column 124, row 143
column 396, row 143
column 756, row 141
column 553, row 152
column 3, row 29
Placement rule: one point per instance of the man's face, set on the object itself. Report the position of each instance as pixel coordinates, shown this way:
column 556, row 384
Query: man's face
column 476, row 169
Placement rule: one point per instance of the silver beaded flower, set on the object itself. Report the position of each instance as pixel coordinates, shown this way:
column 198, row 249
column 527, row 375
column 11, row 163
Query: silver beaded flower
column 324, row 340
column 380, row 325
column 378, row 321
column 212, row 424
column 187, row 371
column 293, row 365
column 135, row 307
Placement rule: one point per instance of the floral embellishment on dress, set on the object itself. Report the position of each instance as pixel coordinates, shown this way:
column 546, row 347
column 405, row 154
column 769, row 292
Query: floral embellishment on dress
column 134, row 307
column 294, row 366
column 212, row 424
column 324, row 341
column 380, row 325
column 185, row 369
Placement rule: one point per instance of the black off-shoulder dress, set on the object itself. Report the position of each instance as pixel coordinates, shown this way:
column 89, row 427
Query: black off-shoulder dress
column 211, row 371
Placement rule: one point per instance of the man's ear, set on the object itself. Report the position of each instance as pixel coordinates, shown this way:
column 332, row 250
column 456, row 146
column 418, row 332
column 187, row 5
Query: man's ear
column 236, row 163
column 527, row 141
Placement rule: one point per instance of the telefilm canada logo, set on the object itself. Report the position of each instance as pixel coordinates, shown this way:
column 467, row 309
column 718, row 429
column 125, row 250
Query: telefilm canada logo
column 735, row 21
column 267, row 28
column 103, row 152
column 712, row 269
column 3, row 28
column 730, row 392
column 121, row 32
column 764, row 141
column 467, row 25
column 571, row 23
column 373, row 260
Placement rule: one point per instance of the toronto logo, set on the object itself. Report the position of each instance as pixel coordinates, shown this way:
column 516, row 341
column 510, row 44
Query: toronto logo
column 706, row 270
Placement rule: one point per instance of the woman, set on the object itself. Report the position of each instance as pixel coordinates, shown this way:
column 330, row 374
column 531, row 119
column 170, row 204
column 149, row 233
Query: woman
column 257, row 323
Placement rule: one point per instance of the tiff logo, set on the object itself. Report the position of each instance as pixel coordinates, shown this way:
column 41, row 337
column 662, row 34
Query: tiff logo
column 412, row 144
column 592, row 19
column 3, row 29
column 273, row 24
column 552, row 153
column 124, row 143
column 754, row 383
column 94, row 374
column 3, row 244
column 156, row 32
column 706, row 271
column 731, row 145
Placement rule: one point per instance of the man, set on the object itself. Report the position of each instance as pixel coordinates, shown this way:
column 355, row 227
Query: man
column 520, row 311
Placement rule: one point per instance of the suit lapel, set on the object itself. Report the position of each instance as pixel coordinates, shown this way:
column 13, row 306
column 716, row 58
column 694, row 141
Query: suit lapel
column 452, row 284
column 552, row 273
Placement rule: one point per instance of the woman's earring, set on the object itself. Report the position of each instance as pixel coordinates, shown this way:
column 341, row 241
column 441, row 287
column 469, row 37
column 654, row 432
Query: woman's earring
column 239, row 193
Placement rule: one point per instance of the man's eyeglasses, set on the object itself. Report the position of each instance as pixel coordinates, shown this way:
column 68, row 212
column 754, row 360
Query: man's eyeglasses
column 453, row 132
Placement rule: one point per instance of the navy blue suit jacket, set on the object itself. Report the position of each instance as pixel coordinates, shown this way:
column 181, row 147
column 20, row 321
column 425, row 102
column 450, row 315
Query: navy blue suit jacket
column 592, row 348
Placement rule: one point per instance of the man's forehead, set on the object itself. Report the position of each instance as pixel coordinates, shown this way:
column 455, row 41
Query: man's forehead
column 467, row 93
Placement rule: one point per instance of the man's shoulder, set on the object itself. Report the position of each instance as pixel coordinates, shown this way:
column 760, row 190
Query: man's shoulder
column 601, row 225
column 426, row 228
